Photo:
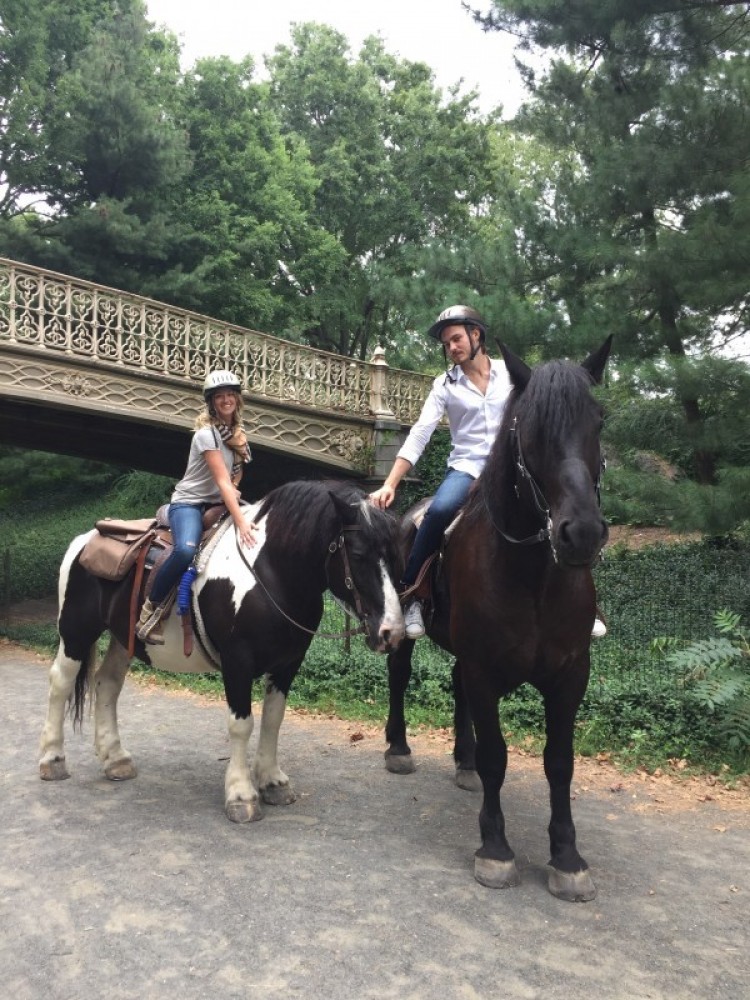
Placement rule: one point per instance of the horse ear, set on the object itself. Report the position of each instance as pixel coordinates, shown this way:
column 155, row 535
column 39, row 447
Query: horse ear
column 519, row 371
column 595, row 362
column 347, row 511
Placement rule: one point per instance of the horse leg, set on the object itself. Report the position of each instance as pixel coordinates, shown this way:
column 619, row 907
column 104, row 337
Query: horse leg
column 398, row 758
column 62, row 679
column 240, row 795
column 569, row 877
column 273, row 784
column 494, row 862
column 241, row 802
column 108, row 682
column 464, row 746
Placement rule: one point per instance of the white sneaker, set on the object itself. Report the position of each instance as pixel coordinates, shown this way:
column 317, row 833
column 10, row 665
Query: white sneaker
column 599, row 629
column 413, row 621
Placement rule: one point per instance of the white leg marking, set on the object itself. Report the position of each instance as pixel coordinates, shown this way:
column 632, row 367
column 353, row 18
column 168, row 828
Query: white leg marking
column 108, row 681
column 62, row 678
column 240, row 795
column 266, row 767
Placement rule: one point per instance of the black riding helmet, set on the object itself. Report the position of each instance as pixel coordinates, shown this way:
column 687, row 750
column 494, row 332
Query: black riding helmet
column 459, row 316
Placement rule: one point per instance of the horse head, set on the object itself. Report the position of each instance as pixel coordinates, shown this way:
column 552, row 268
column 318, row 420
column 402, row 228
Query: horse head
column 365, row 567
column 551, row 432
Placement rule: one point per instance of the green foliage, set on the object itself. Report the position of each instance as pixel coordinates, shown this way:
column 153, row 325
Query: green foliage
column 398, row 165
column 53, row 499
column 36, row 481
column 641, row 112
column 716, row 671
column 428, row 472
column 142, row 491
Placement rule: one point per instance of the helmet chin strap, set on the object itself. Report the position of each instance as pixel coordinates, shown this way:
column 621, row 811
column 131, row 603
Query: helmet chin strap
column 475, row 347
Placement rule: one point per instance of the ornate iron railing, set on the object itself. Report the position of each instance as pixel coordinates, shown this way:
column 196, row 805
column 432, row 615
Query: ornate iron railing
column 51, row 312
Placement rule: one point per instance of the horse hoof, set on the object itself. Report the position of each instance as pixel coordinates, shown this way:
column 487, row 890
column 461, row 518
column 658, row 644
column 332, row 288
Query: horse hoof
column 468, row 780
column 496, row 874
column 399, row 763
column 53, row 770
column 278, row 795
column 121, row 770
column 574, row 887
column 243, row 812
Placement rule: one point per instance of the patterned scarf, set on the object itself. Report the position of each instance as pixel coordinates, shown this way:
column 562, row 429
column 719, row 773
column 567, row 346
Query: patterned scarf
column 236, row 439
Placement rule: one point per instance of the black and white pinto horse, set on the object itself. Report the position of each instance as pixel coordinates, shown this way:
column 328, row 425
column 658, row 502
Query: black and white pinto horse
column 517, row 603
column 255, row 613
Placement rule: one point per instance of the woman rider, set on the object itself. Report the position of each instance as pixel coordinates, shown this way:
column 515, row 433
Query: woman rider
column 218, row 453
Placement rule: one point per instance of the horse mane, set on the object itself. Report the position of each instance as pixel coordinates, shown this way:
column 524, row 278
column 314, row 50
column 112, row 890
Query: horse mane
column 551, row 403
column 306, row 504
column 554, row 399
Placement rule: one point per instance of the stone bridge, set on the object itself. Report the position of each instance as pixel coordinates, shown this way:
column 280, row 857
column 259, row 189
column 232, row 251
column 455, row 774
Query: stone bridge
column 102, row 374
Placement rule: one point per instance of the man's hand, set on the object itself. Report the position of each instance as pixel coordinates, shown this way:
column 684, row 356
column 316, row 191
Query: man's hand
column 383, row 497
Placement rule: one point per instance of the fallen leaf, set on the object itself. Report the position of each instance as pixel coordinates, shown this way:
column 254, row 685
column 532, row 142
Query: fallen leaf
column 355, row 737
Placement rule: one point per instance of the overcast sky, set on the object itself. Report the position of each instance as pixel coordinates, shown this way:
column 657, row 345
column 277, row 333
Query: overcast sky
column 437, row 32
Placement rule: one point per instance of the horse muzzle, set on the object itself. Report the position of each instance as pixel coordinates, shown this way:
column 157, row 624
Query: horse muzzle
column 578, row 541
column 389, row 634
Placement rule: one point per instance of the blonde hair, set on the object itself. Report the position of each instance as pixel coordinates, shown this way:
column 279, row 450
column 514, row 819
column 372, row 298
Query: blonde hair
column 206, row 417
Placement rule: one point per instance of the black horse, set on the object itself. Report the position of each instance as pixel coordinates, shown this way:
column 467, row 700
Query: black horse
column 515, row 602
column 255, row 613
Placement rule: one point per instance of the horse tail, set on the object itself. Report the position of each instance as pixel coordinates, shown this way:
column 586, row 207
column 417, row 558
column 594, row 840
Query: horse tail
column 82, row 685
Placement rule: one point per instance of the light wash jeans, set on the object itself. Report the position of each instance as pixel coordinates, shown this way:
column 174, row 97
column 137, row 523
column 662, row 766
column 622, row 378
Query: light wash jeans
column 186, row 522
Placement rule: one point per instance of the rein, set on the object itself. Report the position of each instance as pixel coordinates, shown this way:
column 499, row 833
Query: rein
column 337, row 545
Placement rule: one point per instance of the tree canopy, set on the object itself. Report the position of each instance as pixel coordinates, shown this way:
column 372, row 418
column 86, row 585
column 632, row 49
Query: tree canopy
column 344, row 199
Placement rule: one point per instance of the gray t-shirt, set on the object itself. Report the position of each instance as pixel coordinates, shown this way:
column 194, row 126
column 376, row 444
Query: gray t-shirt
column 198, row 485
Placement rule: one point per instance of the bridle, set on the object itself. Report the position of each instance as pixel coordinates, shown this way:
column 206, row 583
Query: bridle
column 545, row 533
column 337, row 545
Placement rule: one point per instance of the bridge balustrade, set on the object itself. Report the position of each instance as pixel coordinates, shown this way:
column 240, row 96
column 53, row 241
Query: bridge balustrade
column 60, row 336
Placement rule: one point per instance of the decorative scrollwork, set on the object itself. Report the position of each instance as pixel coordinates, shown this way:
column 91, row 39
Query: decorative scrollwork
column 59, row 316
column 74, row 385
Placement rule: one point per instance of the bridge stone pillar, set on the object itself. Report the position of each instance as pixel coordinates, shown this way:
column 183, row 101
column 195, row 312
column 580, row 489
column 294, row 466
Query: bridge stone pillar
column 389, row 433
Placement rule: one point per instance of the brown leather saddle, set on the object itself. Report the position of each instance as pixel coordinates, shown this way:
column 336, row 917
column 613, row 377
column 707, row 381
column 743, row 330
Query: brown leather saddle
column 138, row 547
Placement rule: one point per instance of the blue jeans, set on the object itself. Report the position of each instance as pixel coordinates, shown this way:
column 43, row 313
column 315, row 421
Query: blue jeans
column 186, row 522
column 446, row 503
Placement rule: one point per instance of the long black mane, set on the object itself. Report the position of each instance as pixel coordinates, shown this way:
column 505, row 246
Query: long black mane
column 306, row 507
column 549, row 406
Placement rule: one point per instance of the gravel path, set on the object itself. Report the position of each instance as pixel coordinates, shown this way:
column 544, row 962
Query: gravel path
column 362, row 888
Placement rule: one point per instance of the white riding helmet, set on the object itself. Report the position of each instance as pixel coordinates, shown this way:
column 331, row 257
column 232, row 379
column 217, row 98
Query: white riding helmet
column 221, row 379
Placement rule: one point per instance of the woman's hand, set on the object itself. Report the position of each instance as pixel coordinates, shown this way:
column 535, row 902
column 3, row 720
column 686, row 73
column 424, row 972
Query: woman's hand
column 248, row 533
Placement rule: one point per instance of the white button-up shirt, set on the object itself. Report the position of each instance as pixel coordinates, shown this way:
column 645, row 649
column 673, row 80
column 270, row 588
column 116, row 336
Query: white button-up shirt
column 473, row 418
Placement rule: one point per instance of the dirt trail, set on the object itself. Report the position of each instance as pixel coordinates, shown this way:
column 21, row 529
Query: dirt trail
column 362, row 888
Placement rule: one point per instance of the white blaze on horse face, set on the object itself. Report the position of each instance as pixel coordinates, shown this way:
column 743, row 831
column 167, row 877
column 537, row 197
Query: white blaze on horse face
column 393, row 616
